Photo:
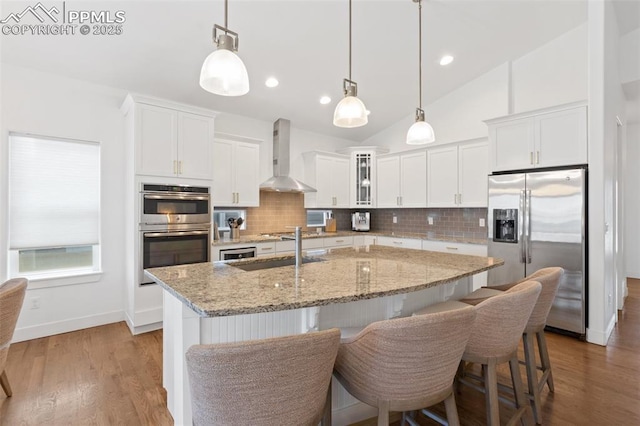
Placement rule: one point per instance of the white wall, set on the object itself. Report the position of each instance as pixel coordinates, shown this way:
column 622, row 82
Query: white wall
column 632, row 202
column 553, row 74
column 457, row 116
column 628, row 58
column 44, row 104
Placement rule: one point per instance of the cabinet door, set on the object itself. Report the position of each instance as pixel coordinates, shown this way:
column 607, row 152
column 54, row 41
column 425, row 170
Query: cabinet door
column 473, row 171
column 340, row 182
column 324, row 182
column 222, row 189
column 413, row 179
column 157, row 141
column 512, row 145
column 442, row 180
column 388, row 181
column 195, row 138
column 246, row 164
column 561, row 138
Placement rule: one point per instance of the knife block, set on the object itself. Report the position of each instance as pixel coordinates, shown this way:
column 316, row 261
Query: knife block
column 330, row 225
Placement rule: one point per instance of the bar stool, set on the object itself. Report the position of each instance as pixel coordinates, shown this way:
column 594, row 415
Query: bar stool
column 549, row 278
column 406, row 364
column 276, row 381
column 11, row 297
column 499, row 323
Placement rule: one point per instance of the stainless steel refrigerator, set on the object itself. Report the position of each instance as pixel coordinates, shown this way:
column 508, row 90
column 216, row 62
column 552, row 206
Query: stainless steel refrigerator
column 536, row 220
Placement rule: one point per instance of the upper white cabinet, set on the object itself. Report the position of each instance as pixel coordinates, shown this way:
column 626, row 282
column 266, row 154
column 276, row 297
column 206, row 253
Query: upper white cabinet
column 402, row 179
column 363, row 174
column 329, row 174
column 544, row 138
column 457, row 175
column 171, row 140
column 236, row 166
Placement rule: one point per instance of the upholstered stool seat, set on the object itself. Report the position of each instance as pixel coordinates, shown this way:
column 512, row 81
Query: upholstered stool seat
column 277, row 381
column 406, row 364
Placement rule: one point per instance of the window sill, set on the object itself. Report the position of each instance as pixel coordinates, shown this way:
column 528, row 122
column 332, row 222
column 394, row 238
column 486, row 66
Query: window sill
column 39, row 282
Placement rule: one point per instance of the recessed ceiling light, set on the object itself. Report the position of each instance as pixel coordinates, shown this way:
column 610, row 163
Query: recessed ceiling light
column 446, row 60
column 271, row 82
column 325, row 100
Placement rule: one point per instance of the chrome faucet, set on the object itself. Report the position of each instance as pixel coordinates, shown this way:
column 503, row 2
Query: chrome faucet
column 297, row 236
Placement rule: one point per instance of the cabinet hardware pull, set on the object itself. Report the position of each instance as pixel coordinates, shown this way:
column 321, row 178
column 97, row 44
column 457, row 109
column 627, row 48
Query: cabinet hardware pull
column 398, row 242
column 531, row 157
column 537, row 157
column 175, row 167
column 237, row 198
column 339, row 241
column 401, row 200
column 266, row 248
column 459, row 198
column 455, row 198
column 180, row 167
column 452, row 248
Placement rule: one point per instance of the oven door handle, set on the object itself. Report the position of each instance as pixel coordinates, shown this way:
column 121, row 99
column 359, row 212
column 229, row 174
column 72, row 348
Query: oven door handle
column 176, row 197
column 174, row 234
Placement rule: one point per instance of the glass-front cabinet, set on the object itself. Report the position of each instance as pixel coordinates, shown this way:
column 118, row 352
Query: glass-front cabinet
column 363, row 175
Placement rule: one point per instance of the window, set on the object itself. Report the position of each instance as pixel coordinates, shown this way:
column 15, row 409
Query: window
column 221, row 218
column 54, row 207
column 318, row 218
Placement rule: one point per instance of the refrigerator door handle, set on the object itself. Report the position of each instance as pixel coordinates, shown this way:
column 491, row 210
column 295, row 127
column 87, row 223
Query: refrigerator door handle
column 528, row 230
column 521, row 227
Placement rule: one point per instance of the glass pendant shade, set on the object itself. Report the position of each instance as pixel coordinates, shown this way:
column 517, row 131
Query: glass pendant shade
column 350, row 112
column 420, row 133
column 224, row 73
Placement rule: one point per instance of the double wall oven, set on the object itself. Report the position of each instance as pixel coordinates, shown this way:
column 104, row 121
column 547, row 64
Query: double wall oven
column 175, row 226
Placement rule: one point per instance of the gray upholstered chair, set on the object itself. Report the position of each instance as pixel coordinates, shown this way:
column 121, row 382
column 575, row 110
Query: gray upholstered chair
column 550, row 280
column 276, row 381
column 11, row 297
column 406, row 364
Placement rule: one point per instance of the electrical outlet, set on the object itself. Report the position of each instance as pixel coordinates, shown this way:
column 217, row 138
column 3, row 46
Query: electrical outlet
column 395, row 219
column 35, row 303
column 481, row 222
column 430, row 220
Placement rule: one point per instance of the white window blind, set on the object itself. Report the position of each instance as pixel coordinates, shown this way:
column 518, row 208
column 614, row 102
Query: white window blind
column 54, row 192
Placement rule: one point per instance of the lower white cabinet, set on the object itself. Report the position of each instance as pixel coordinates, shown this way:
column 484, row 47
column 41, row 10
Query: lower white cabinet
column 332, row 242
column 266, row 249
column 408, row 243
column 479, row 280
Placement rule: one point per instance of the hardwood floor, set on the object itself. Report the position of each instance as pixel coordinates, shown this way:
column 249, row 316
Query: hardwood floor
column 105, row 376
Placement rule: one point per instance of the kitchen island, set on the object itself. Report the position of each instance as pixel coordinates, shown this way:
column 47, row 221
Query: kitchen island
column 220, row 302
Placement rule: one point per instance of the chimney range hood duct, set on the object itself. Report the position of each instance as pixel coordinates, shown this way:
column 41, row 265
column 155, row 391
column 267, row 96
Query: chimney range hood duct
column 281, row 182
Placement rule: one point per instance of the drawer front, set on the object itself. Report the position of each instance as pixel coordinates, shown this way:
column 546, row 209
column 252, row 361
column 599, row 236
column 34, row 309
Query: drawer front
column 266, row 249
column 456, row 248
column 312, row 243
column 408, row 243
column 285, row 246
column 338, row 242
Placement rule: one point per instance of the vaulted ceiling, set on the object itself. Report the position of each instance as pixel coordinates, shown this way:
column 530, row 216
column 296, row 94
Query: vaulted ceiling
column 304, row 45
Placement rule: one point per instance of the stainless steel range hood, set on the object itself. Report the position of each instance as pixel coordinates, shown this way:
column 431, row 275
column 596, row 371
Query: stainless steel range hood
column 281, row 182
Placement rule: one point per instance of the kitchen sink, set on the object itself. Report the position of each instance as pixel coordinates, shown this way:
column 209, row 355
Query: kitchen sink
column 258, row 265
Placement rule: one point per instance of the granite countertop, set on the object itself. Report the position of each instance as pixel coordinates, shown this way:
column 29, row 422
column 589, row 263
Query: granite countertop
column 247, row 239
column 347, row 274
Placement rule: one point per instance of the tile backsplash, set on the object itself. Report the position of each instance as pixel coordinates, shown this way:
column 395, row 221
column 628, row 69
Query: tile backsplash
column 447, row 222
column 278, row 210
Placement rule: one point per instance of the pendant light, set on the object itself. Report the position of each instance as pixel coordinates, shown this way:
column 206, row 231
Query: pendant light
column 350, row 111
column 223, row 72
column 420, row 132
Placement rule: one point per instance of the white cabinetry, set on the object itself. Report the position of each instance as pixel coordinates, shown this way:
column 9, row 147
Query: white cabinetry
column 329, row 174
column 236, row 167
column 402, row 179
column 543, row 138
column 479, row 280
column 457, row 175
column 407, row 243
column 172, row 143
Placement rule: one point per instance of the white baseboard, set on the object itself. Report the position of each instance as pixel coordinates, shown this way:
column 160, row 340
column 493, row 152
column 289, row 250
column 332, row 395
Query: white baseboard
column 148, row 316
column 601, row 338
column 65, row 326
column 352, row 414
column 147, row 328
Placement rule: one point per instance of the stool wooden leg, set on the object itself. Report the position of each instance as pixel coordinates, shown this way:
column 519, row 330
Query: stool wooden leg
column 383, row 413
column 532, row 376
column 4, row 382
column 518, row 391
column 544, row 358
column 491, row 393
column 452, row 410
